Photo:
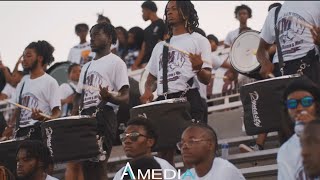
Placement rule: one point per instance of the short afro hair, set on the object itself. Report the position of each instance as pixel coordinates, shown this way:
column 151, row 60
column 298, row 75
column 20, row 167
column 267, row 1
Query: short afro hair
column 241, row 7
column 149, row 5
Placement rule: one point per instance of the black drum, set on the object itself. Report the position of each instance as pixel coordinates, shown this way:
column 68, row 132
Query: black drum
column 243, row 54
column 71, row 138
column 263, row 104
column 8, row 150
column 170, row 117
column 59, row 71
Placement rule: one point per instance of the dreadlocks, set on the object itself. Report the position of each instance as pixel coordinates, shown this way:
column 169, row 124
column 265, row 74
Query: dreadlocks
column 36, row 149
column 188, row 13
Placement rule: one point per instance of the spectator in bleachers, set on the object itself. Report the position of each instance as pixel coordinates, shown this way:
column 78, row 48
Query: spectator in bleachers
column 33, row 161
column 9, row 90
column 242, row 14
column 138, row 140
column 135, row 40
column 198, row 147
column 310, row 144
column 152, row 34
column 68, row 90
column 302, row 99
column 81, row 53
column 122, row 37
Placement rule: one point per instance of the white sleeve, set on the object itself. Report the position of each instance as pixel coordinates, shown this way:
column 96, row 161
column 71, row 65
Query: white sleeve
column 153, row 63
column 64, row 90
column 53, row 94
column 6, row 90
column 205, row 50
column 216, row 61
column 121, row 77
column 267, row 32
column 227, row 40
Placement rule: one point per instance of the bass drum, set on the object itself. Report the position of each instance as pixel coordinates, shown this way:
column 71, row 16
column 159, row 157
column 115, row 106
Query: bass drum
column 143, row 79
column 59, row 71
column 243, row 54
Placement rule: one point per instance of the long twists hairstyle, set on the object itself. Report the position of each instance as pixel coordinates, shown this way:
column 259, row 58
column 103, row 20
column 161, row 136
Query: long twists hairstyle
column 188, row 13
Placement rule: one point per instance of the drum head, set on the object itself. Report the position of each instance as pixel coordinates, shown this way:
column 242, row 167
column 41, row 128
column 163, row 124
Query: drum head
column 59, row 71
column 142, row 82
column 243, row 52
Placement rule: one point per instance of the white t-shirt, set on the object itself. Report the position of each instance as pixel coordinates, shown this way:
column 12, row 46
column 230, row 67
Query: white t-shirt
column 163, row 164
column 10, row 91
column 221, row 169
column 110, row 70
column 289, row 160
column 231, row 36
column 65, row 91
column 50, row 178
column 295, row 40
column 78, row 53
column 40, row 93
column 179, row 65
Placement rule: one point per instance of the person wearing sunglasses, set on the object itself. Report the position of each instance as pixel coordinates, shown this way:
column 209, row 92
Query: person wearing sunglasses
column 137, row 140
column 198, row 147
column 302, row 104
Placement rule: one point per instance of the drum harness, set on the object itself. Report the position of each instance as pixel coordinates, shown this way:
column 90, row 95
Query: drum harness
column 280, row 55
column 18, row 121
column 100, row 139
column 165, row 54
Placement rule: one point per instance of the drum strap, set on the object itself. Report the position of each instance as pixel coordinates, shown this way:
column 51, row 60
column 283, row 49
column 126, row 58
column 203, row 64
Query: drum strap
column 165, row 53
column 280, row 56
column 84, row 83
column 19, row 110
column 70, row 105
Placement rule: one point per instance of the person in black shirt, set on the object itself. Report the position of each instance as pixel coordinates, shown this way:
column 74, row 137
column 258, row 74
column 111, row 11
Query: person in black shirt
column 152, row 34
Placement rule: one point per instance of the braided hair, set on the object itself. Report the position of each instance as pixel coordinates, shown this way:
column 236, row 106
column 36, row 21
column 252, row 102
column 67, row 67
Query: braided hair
column 44, row 49
column 188, row 13
column 108, row 29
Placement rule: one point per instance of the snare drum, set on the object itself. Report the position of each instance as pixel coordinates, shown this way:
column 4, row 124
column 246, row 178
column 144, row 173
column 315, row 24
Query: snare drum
column 8, row 150
column 263, row 104
column 243, row 54
column 71, row 138
column 169, row 117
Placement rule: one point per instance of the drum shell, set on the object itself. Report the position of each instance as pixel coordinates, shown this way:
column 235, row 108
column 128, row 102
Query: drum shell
column 8, row 150
column 263, row 104
column 169, row 120
column 71, row 139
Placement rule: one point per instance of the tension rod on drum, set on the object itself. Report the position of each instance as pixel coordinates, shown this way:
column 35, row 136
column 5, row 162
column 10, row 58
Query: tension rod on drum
column 28, row 109
column 184, row 52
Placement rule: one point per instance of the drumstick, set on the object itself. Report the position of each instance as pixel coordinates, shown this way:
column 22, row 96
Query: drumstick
column 271, row 75
column 183, row 52
column 87, row 87
column 29, row 109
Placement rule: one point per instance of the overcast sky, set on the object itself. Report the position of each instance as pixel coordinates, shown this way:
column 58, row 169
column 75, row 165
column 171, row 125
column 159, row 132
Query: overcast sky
column 24, row 22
